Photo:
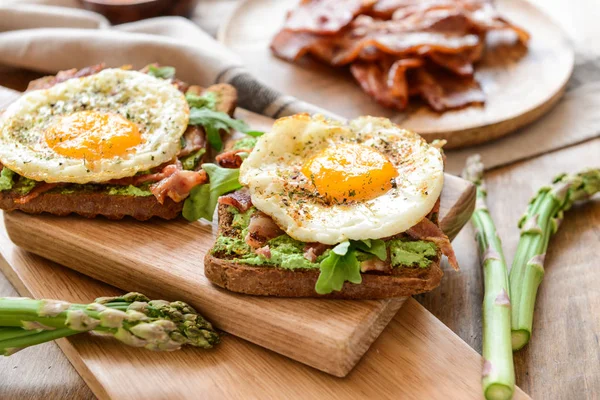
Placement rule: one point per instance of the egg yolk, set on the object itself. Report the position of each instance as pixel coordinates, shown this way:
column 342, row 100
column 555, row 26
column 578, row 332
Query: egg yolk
column 92, row 135
column 350, row 172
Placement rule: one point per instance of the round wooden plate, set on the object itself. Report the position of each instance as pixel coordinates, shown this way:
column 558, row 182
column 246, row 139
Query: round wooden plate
column 520, row 86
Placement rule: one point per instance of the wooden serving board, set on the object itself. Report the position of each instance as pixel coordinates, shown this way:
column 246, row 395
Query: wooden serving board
column 416, row 356
column 164, row 259
column 520, row 87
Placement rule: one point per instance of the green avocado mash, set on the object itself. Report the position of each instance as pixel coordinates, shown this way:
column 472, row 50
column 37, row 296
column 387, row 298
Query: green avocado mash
column 245, row 143
column 289, row 253
column 128, row 191
column 414, row 253
column 6, row 179
column 22, row 185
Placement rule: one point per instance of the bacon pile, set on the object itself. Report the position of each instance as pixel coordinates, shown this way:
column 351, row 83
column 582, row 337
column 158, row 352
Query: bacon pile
column 397, row 49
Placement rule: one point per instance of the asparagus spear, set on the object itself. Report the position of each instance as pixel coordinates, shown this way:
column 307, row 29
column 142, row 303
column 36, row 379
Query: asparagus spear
column 498, row 375
column 132, row 318
column 540, row 222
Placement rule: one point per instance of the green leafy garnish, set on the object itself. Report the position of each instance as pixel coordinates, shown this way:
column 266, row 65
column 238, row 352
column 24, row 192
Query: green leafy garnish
column 340, row 266
column 254, row 133
column 202, row 200
column 161, row 72
column 6, row 179
column 343, row 265
column 205, row 100
column 372, row 246
column 213, row 122
column 190, row 161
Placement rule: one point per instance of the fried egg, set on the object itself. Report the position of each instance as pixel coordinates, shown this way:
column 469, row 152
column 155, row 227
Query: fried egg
column 323, row 181
column 105, row 126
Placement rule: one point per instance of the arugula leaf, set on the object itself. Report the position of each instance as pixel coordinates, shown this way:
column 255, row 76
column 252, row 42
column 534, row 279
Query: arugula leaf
column 205, row 100
column 254, row 133
column 341, row 265
column 202, row 200
column 6, row 179
column 342, row 248
column 161, row 72
column 190, row 161
column 372, row 246
column 213, row 122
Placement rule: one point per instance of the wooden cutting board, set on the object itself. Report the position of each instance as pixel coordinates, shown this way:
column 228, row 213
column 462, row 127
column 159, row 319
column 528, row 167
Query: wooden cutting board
column 520, row 87
column 164, row 259
column 416, row 356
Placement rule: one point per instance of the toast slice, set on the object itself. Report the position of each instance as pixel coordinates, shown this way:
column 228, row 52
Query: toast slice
column 268, row 280
column 98, row 202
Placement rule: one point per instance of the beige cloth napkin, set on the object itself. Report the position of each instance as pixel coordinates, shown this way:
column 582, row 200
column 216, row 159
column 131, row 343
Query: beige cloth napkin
column 53, row 35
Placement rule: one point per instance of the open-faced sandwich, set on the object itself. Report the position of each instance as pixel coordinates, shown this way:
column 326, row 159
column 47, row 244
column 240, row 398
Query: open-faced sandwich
column 332, row 209
column 113, row 142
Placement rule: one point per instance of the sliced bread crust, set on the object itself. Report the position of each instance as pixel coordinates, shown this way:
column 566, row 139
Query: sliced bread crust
column 274, row 281
column 91, row 205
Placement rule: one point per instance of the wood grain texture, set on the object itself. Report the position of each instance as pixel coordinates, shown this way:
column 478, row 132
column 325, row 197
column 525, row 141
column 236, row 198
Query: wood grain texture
column 562, row 359
column 164, row 258
column 45, row 365
column 416, row 357
column 518, row 88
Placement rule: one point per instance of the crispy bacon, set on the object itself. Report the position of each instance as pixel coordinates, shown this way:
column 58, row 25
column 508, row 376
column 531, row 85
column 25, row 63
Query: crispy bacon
column 325, row 17
column 38, row 189
column 195, row 139
column 261, row 229
column 313, row 250
column 384, row 82
column 62, row 76
column 442, row 91
column 388, row 40
column 429, row 231
column 264, row 251
column 231, row 158
column 178, row 185
column 239, row 199
column 375, row 264
column 157, row 174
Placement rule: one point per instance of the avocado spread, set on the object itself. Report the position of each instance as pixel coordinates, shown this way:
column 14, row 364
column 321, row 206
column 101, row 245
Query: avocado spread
column 288, row 253
column 11, row 181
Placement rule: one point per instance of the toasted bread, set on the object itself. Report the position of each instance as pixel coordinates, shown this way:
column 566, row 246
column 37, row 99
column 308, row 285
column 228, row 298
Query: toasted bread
column 273, row 281
column 92, row 204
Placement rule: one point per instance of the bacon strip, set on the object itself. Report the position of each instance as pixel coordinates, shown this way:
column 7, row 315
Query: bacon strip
column 313, row 250
column 178, row 185
column 442, row 91
column 231, row 158
column 261, row 229
column 38, row 189
column 427, row 230
column 195, row 139
column 325, row 16
column 62, row 76
column 386, row 83
column 239, row 199
column 375, row 264
column 264, row 251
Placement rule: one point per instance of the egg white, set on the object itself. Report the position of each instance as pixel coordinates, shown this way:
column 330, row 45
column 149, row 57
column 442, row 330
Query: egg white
column 155, row 105
column 271, row 173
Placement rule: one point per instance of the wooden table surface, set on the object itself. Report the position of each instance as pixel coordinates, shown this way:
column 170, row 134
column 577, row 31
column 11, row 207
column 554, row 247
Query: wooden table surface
column 563, row 359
